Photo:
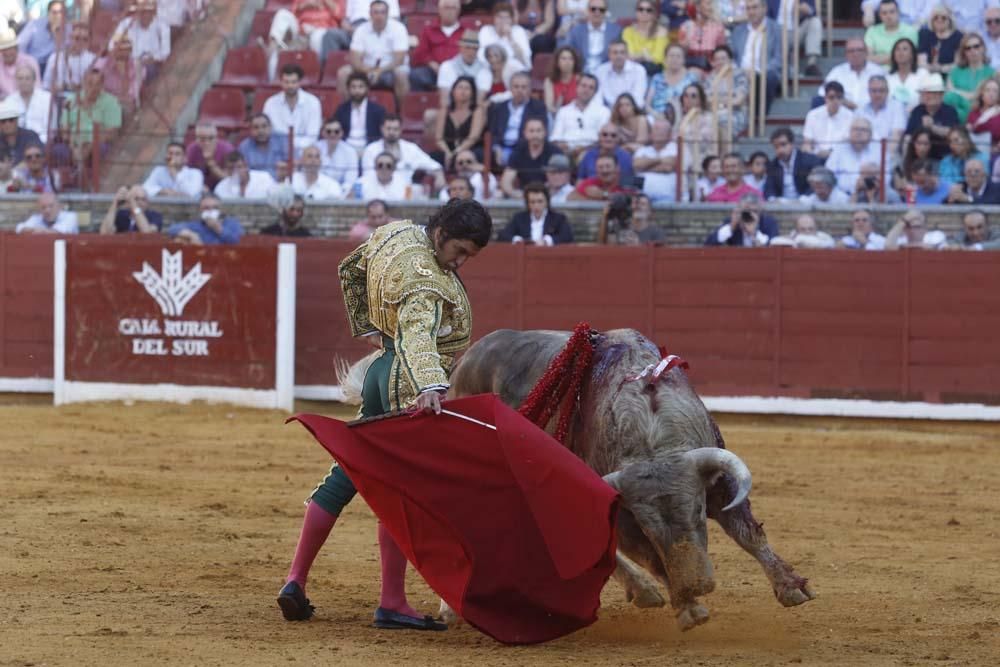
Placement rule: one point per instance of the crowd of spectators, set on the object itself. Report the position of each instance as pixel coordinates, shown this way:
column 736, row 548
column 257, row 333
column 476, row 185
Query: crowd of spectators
column 68, row 95
column 652, row 107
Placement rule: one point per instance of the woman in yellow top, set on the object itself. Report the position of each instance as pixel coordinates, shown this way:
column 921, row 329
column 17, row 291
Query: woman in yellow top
column 646, row 39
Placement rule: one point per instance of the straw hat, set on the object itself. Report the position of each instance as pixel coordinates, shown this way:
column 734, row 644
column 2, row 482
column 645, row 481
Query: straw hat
column 8, row 110
column 8, row 39
column 932, row 83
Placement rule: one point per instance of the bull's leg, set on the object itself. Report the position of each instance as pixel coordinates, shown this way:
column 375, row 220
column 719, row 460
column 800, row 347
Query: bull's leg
column 739, row 524
column 633, row 542
column 640, row 589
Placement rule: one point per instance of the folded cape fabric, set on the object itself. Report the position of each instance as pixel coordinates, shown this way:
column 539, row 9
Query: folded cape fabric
column 508, row 526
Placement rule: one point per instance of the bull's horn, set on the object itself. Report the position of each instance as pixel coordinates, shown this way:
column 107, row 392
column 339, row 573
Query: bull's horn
column 611, row 479
column 712, row 460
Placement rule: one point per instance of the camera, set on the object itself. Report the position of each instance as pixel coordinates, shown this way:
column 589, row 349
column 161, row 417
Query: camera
column 620, row 211
column 870, row 183
column 746, row 216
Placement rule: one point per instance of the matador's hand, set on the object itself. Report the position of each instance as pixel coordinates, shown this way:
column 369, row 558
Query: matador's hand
column 429, row 401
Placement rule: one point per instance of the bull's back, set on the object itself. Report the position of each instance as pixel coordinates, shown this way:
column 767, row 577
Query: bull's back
column 507, row 363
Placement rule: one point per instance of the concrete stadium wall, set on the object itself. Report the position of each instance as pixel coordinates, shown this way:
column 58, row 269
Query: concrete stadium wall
column 684, row 224
column 911, row 326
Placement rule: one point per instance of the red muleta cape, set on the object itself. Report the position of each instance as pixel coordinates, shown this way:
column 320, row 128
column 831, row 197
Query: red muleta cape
column 515, row 532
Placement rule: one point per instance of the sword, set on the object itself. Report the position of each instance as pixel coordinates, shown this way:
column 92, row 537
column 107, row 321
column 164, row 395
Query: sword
column 400, row 413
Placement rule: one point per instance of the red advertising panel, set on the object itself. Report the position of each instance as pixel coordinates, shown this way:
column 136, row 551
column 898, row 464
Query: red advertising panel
column 183, row 315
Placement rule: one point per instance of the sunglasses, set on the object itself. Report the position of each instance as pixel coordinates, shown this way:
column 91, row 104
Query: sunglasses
column 644, row 10
column 969, row 47
column 333, row 130
column 461, row 162
column 599, row 10
column 385, row 165
column 32, row 156
column 992, row 21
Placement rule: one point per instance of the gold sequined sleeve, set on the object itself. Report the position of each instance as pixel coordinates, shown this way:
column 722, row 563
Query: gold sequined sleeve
column 354, row 282
column 416, row 340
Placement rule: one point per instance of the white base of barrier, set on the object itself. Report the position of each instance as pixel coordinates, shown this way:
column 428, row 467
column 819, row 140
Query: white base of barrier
column 837, row 407
column 778, row 405
column 26, row 385
column 319, row 392
column 73, row 392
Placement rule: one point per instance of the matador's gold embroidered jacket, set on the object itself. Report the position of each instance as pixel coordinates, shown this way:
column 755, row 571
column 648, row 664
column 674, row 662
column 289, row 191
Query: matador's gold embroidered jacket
column 393, row 284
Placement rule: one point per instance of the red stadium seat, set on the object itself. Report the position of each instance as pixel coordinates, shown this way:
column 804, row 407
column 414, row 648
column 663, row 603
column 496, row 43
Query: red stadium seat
column 245, row 67
column 334, row 61
column 408, row 7
column 384, row 97
column 261, row 25
column 476, row 21
column 224, row 107
column 541, row 64
column 279, row 4
column 413, row 109
column 329, row 100
column 102, row 26
column 626, row 21
column 307, row 60
column 261, row 93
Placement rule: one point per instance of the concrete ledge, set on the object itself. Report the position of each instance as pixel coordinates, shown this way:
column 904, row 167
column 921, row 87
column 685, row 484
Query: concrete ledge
column 685, row 224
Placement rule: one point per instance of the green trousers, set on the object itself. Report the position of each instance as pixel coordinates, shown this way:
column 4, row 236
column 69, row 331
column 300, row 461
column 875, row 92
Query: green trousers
column 337, row 489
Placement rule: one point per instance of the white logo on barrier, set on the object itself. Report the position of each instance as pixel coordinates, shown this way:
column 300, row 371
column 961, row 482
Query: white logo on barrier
column 172, row 290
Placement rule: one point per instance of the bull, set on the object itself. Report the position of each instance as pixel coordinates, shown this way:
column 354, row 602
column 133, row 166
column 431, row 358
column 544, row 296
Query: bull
column 657, row 445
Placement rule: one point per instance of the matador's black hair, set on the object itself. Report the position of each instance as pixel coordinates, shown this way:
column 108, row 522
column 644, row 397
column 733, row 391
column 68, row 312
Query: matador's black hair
column 463, row 219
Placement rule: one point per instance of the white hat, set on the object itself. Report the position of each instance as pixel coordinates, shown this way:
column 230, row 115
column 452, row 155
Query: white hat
column 932, row 83
column 8, row 39
column 9, row 110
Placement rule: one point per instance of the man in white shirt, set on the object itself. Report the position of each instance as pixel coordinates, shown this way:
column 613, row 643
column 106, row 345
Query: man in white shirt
column 50, row 219
column 824, row 189
column 506, row 33
column 991, row 36
column 862, row 236
column 557, row 178
column 465, row 64
column 243, row 182
column 310, row 182
column 383, row 181
column 338, row 160
column 468, row 168
column 620, row 75
column 174, row 179
column 888, row 117
column 34, row 103
column 65, row 69
column 358, row 11
column 846, row 159
column 854, row 74
column 407, row 156
column 828, row 125
column 150, row 36
column 378, row 50
column 578, row 123
column 294, row 110
column 656, row 163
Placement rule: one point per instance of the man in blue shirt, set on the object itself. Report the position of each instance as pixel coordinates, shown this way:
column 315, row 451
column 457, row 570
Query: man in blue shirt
column 39, row 37
column 931, row 190
column 608, row 140
column 212, row 229
column 263, row 149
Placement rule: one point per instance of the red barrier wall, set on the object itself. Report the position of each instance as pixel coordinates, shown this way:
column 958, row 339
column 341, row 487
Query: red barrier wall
column 777, row 321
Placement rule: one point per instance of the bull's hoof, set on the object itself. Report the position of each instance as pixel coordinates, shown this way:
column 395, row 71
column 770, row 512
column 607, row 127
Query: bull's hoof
column 691, row 617
column 645, row 597
column 793, row 595
column 448, row 615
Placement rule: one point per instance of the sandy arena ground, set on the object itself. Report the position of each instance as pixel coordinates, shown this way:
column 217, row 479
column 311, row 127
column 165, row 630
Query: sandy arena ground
column 159, row 534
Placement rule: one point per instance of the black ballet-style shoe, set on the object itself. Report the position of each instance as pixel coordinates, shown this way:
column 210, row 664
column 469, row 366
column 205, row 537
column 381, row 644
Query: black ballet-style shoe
column 386, row 619
column 294, row 603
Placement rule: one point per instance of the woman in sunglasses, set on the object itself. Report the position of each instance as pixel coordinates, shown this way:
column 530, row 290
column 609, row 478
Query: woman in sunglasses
column 971, row 69
column 403, row 294
column 646, row 38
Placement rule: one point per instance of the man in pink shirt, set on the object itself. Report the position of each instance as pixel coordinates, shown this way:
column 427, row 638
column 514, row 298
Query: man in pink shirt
column 10, row 60
column 735, row 187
